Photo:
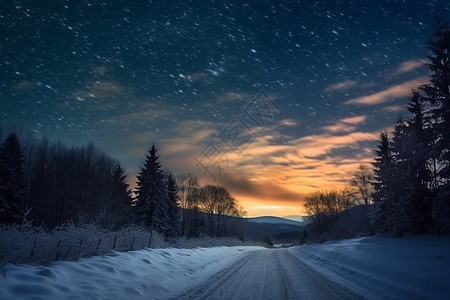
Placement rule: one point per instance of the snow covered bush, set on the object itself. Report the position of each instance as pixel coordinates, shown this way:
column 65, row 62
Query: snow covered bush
column 25, row 244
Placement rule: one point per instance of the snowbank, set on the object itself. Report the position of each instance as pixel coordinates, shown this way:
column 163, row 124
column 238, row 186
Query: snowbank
column 143, row 274
column 385, row 268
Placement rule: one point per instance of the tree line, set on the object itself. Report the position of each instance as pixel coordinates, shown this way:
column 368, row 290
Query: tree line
column 50, row 183
column 407, row 189
column 342, row 213
column 412, row 164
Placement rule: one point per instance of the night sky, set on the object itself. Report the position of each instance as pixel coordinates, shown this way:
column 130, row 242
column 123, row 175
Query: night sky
column 271, row 99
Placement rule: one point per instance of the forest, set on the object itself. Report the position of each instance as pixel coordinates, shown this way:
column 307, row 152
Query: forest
column 48, row 184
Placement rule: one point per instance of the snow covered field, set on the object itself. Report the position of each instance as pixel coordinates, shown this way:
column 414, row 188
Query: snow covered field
column 374, row 267
column 385, row 268
column 143, row 274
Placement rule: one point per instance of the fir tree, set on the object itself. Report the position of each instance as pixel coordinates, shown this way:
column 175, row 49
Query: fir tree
column 152, row 199
column 382, row 197
column 404, row 180
column 12, row 184
column 418, row 174
column 172, row 210
column 437, row 93
column 120, row 197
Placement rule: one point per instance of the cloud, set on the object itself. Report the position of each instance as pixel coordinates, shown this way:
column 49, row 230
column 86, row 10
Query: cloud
column 323, row 144
column 393, row 108
column 410, row 65
column 101, row 90
column 389, row 94
column 180, row 143
column 288, row 122
column 346, row 124
column 354, row 120
column 341, row 86
column 24, row 85
column 234, row 97
column 260, row 188
column 277, row 173
column 269, row 176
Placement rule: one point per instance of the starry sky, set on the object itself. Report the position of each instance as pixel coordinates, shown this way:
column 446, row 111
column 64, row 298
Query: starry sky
column 271, row 99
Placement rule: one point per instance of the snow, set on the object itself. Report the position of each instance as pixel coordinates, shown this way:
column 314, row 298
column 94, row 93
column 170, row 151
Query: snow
column 415, row 267
column 143, row 274
column 384, row 268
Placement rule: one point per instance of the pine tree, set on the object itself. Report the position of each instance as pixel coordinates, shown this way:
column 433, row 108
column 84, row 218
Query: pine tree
column 401, row 176
column 120, row 208
column 382, row 197
column 172, row 210
column 152, row 199
column 437, row 93
column 12, row 184
column 418, row 175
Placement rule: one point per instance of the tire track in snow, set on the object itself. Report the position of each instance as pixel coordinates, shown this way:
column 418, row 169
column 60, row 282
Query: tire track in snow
column 269, row 274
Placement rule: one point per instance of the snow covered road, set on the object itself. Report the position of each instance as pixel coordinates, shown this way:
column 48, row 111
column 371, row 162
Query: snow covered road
column 269, row 274
column 415, row 267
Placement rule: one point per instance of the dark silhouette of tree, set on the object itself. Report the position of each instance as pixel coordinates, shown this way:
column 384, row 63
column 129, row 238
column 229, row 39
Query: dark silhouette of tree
column 12, row 184
column 172, row 207
column 382, row 197
column 217, row 202
column 437, row 92
column 152, row 199
column 400, row 197
column 323, row 209
column 120, row 206
column 361, row 182
column 188, row 194
column 413, row 171
column 416, row 153
column 56, row 187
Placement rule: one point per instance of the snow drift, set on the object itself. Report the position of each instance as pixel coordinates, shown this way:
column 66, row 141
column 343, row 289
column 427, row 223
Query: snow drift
column 385, row 268
column 143, row 274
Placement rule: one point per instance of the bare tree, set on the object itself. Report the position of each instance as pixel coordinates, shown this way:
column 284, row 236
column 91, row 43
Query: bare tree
column 188, row 186
column 323, row 208
column 188, row 193
column 217, row 202
column 362, row 183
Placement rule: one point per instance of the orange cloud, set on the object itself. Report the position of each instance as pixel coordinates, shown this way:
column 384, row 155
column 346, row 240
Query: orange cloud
column 341, row 86
column 288, row 122
column 393, row 108
column 268, row 177
column 345, row 125
column 317, row 145
column 394, row 92
column 354, row 120
column 410, row 65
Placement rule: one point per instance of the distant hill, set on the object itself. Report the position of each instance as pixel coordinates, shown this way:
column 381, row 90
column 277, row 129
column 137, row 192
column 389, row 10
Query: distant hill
column 274, row 220
column 274, row 229
column 297, row 218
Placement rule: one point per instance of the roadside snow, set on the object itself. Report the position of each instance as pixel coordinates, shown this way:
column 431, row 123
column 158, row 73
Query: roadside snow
column 385, row 268
column 143, row 274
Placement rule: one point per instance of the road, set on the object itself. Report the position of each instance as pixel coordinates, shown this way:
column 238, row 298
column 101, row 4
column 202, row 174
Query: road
column 269, row 274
